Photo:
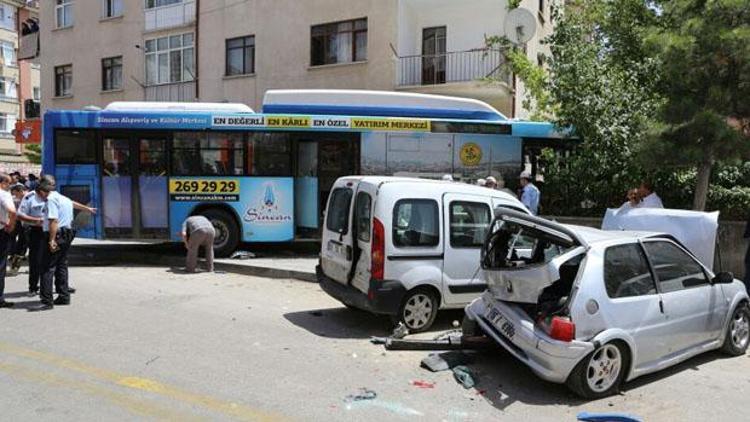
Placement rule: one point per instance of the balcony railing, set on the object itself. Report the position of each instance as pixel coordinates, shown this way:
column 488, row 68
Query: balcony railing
column 172, row 92
column 170, row 16
column 459, row 66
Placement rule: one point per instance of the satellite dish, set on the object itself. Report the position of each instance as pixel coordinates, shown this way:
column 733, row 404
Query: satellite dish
column 520, row 26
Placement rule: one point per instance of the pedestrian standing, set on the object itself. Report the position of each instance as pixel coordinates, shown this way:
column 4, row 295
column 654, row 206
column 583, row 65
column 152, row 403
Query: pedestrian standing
column 18, row 238
column 7, row 222
column 198, row 231
column 649, row 197
column 530, row 194
column 58, row 235
column 31, row 212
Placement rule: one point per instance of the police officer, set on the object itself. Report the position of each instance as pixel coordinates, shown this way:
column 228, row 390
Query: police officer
column 8, row 223
column 58, row 235
column 31, row 212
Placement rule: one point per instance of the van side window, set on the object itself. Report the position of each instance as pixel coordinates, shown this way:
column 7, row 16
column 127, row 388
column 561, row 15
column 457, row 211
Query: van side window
column 674, row 268
column 338, row 210
column 416, row 223
column 626, row 272
column 362, row 212
column 469, row 222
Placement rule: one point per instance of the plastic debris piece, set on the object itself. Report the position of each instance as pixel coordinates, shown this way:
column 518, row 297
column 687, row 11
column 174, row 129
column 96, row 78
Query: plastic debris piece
column 423, row 384
column 400, row 331
column 362, row 394
column 242, row 255
column 437, row 362
column 464, row 376
column 607, row 417
column 377, row 340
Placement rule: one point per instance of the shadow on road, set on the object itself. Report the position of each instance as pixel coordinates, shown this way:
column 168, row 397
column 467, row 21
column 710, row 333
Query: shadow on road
column 344, row 322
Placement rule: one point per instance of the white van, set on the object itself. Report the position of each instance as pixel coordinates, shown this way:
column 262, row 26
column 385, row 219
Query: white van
column 406, row 247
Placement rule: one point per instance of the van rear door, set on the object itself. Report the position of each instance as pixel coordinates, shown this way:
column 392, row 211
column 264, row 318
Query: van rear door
column 364, row 206
column 466, row 221
column 337, row 247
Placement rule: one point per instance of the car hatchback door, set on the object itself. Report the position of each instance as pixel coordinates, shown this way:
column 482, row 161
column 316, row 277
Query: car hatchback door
column 337, row 250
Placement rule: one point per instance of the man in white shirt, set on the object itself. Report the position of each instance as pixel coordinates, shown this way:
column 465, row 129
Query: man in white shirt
column 530, row 195
column 650, row 198
column 7, row 223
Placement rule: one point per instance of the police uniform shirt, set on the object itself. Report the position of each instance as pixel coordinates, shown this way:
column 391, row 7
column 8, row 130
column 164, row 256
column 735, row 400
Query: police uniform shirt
column 6, row 203
column 32, row 206
column 530, row 198
column 60, row 208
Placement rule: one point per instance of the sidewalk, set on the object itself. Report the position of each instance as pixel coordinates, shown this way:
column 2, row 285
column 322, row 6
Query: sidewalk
column 273, row 261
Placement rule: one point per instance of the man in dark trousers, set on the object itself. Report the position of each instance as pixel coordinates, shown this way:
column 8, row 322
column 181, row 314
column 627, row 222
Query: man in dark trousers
column 31, row 212
column 198, row 231
column 58, row 235
column 7, row 225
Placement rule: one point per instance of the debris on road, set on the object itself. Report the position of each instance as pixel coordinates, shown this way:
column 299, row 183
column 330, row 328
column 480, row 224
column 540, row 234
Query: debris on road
column 437, row 362
column 455, row 341
column 242, row 255
column 363, row 394
column 464, row 376
column 400, row 331
column 423, row 384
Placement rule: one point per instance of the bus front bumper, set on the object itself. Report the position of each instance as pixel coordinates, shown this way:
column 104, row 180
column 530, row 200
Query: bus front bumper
column 384, row 296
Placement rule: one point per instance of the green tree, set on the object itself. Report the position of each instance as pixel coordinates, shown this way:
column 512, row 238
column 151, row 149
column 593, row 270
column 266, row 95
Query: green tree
column 703, row 52
column 34, row 153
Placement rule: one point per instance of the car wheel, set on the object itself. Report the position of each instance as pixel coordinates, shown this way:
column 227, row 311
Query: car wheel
column 227, row 232
column 738, row 332
column 600, row 373
column 470, row 328
column 418, row 310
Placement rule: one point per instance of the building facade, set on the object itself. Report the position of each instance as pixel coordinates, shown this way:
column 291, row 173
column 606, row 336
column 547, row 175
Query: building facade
column 19, row 80
column 233, row 51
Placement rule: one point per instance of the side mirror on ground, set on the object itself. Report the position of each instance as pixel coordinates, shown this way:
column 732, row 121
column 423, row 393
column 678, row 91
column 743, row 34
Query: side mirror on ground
column 724, row 277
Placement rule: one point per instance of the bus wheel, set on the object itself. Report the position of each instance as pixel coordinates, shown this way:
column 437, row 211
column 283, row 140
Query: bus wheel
column 227, row 232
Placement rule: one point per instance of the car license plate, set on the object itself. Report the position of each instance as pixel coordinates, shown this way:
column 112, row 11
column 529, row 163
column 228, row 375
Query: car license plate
column 501, row 322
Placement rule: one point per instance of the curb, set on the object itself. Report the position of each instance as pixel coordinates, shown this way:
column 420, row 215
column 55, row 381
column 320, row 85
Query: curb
column 95, row 256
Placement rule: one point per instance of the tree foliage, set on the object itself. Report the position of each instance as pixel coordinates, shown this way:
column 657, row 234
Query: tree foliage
column 34, row 153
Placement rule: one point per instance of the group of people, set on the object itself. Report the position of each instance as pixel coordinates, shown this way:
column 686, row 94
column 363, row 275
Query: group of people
column 528, row 193
column 35, row 217
column 643, row 196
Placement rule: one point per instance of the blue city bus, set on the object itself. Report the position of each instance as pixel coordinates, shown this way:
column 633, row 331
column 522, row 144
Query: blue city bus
column 265, row 177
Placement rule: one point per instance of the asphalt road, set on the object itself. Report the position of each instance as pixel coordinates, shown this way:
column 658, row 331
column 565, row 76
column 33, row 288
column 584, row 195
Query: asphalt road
column 147, row 343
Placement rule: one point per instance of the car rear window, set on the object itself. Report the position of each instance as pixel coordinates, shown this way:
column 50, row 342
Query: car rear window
column 416, row 223
column 626, row 272
column 362, row 212
column 338, row 210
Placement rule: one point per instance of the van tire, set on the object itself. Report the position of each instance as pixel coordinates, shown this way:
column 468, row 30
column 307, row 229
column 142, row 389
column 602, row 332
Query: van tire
column 579, row 382
column 227, row 231
column 418, row 309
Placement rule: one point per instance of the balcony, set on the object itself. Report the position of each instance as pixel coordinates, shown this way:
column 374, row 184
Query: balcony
column 172, row 92
column 170, row 16
column 446, row 68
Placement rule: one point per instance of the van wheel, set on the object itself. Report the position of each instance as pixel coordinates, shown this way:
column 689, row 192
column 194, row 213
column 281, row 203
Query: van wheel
column 600, row 373
column 227, row 232
column 738, row 332
column 418, row 309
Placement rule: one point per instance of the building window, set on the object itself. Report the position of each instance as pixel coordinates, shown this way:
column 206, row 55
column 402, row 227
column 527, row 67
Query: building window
column 341, row 42
column 7, row 17
column 241, row 56
column 112, row 73
column 8, row 53
column 37, row 93
column 150, row 4
column 170, row 59
column 63, row 80
column 111, row 8
column 7, row 123
column 8, row 89
column 63, row 13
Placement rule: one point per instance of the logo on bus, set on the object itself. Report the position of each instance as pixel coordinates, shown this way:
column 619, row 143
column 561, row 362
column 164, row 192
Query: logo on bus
column 268, row 209
column 470, row 154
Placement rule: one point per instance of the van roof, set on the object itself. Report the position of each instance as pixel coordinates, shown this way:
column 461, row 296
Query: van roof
column 434, row 184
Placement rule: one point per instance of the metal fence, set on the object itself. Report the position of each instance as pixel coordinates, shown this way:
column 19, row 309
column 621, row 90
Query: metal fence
column 459, row 66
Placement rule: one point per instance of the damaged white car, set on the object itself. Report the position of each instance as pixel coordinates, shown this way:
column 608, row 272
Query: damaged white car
column 593, row 308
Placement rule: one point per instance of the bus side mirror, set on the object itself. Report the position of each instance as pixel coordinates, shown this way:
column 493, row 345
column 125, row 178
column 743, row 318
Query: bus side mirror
column 723, row 277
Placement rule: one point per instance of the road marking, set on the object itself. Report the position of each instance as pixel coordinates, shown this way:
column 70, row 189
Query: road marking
column 232, row 409
column 135, row 406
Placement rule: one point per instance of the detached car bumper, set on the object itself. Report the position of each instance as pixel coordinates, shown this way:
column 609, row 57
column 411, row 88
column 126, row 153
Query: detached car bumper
column 550, row 359
column 383, row 296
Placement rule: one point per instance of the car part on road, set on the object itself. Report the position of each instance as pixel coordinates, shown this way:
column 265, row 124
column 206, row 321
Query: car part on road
column 456, row 342
column 738, row 332
column 464, row 376
column 400, row 331
column 601, row 372
column 419, row 309
column 363, row 394
column 437, row 362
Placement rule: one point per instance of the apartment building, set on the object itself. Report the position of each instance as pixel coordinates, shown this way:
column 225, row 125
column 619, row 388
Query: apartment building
column 235, row 50
column 19, row 79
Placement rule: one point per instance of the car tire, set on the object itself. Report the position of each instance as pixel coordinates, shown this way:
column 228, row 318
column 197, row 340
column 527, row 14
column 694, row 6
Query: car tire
column 470, row 328
column 418, row 310
column 601, row 372
column 738, row 332
column 227, row 232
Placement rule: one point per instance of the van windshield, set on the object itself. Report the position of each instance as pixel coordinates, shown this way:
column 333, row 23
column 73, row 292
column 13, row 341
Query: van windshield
column 338, row 210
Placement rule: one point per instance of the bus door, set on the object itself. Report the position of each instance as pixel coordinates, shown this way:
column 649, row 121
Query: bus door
column 134, row 186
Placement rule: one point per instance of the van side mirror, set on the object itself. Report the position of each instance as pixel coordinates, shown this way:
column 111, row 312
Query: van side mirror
column 724, row 277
